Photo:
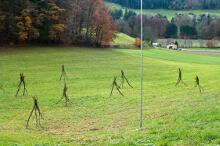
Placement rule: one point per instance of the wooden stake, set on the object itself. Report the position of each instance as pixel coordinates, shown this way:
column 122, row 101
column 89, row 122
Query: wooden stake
column 180, row 79
column 22, row 81
column 37, row 113
column 115, row 84
column 65, row 96
column 197, row 84
column 63, row 73
column 124, row 78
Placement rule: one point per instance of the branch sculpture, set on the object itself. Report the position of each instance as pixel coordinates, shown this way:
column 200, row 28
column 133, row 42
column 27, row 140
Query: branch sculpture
column 63, row 73
column 37, row 113
column 124, row 78
column 115, row 85
column 180, row 79
column 65, row 96
column 197, row 84
column 22, row 81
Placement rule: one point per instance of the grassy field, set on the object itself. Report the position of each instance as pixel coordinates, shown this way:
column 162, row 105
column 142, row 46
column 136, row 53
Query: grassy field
column 168, row 13
column 172, row 115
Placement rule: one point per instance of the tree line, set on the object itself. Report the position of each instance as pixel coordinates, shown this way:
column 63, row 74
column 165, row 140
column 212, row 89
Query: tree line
column 76, row 22
column 169, row 4
column 184, row 26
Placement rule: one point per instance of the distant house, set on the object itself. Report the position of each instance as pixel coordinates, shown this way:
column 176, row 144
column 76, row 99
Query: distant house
column 155, row 45
column 172, row 46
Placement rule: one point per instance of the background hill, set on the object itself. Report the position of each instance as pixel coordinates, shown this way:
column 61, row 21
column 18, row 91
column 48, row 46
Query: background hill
column 169, row 13
column 170, row 4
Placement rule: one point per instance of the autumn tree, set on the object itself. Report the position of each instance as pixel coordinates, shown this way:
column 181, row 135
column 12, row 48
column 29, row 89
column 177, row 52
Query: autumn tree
column 9, row 10
column 84, row 22
column 25, row 25
column 102, row 27
column 88, row 22
column 54, row 15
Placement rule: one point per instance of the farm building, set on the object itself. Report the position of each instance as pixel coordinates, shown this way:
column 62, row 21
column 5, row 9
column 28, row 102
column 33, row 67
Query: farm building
column 190, row 43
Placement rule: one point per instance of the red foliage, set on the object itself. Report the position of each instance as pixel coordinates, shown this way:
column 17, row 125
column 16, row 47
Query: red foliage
column 103, row 27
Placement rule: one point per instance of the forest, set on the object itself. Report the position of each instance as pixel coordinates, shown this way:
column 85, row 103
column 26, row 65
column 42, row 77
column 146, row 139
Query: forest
column 76, row 22
column 169, row 4
column 183, row 26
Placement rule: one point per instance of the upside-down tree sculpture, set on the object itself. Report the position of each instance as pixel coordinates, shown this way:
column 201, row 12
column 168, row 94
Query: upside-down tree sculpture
column 36, row 112
column 180, row 79
column 64, row 96
column 115, row 85
column 197, row 84
column 63, row 73
column 124, row 78
column 22, row 81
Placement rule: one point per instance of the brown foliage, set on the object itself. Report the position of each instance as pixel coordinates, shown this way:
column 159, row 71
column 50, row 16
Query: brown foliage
column 137, row 42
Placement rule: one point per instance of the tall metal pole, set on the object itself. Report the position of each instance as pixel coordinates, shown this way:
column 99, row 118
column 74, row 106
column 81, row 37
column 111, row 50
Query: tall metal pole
column 142, row 68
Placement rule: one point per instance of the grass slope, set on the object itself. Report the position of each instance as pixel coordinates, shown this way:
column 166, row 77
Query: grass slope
column 172, row 115
column 123, row 39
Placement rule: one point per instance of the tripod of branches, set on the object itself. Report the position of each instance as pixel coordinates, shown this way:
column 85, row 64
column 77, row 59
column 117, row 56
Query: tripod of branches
column 37, row 113
column 197, row 84
column 63, row 73
column 123, row 79
column 22, row 81
column 180, row 79
column 65, row 96
column 115, row 85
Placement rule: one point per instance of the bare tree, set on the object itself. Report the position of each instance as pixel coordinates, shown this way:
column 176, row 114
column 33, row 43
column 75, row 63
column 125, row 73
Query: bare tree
column 124, row 78
column 22, row 81
column 37, row 113
column 115, row 85
column 197, row 84
column 180, row 79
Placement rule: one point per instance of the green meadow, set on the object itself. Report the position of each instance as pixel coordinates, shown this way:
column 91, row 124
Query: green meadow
column 171, row 115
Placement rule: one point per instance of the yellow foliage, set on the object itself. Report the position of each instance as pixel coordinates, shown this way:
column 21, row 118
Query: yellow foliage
column 20, row 25
column 58, row 27
column 28, row 22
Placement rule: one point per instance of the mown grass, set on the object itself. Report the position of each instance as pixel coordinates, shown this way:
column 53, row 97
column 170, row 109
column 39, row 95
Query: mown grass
column 172, row 115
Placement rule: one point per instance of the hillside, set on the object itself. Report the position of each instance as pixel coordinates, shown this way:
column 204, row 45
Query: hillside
column 165, row 12
column 169, row 4
column 123, row 40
